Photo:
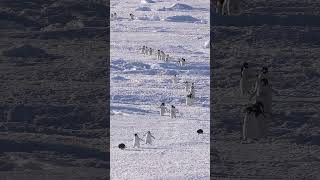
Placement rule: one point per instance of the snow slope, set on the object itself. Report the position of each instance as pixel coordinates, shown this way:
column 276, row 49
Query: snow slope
column 139, row 83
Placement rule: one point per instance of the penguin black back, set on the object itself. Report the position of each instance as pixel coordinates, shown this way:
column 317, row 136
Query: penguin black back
column 122, row 146
column 200, row 131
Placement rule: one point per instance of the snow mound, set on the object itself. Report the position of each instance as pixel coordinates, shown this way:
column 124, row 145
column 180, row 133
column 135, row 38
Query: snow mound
column 189, row 19
column 207, row 44
column 177, row 6
column 146, row 1
column 143, row 8
column 120, row 78
column 152, row 18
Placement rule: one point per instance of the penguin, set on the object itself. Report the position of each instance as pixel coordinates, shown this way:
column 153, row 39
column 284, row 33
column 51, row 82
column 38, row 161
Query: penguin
column 167, row 57
column 163, row 56
column 143, row 49
column 262, row 75
column 189, row 99
column 158, row 55
column 131, row 16
column 200, row 131
column 149, row 138
column 264, row 95
column 173, row 111
column 150, row 51
column 244, row 81
column 136, row 141
column 163, row 109
column 121, row 146
column 174, row 79
column 252, row 123
column 192, row 91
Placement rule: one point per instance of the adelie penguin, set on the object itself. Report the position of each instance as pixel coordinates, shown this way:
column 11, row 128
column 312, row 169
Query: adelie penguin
column 136, row 141
column 189, row 99
column 163, row 109
column 173, row 112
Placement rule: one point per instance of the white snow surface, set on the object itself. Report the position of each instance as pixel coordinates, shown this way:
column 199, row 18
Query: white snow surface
column 139, row 83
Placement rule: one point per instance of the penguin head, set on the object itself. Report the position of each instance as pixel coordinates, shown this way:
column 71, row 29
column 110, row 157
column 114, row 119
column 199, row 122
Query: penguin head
column 172, row 106
column 264, row 70
column 162, row 104
column 135, row 134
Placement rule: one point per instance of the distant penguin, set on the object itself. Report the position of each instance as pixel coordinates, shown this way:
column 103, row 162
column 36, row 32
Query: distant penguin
column 244, row 81
column 200, row 131
column 143, row 49
column 150, row 51
column 192, row 91
column 158, row 55
column 136, row 141
column 131, row 16
column 264, row 95
column 189, row 99
column 163, row 56
column 149, row 138
column 163, row 109
column 262, row 75
column 174, row 79
column 173, row 111
column 167, row 57
column 122, row 146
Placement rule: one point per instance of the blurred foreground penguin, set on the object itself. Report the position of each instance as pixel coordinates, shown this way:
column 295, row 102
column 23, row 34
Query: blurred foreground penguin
column 136, row 141
column 149, row 138
column 254, row 117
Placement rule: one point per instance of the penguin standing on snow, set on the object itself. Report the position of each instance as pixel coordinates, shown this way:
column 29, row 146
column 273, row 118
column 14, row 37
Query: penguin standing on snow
column 193, row 91
column 262, row 75
column 158, row 55
column 150, row 51
column 189, row 99
column 163, row 55
column 131, row 16
column 136, row 141
column 163, row 109
column 173, row 111
column 244, row 81
column 149, row 138
column 143, row 49
column 174, row 79
column 167, row 57
column 264, row 95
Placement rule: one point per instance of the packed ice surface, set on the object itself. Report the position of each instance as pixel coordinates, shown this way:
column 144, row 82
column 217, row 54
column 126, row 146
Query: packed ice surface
column 139, row 83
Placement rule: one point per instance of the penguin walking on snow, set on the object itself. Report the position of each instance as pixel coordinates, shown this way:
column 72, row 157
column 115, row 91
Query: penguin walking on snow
column 131, row 16
column 163, row 109
column 244, row 81
column 136, row 141
column 173, row 111
column 149, row 138
column 193, row 91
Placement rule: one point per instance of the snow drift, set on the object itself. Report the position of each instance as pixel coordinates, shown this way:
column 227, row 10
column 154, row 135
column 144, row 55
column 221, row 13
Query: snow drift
column 143, row 8
column 189, row 19
column 146, row 1
column 177, row 7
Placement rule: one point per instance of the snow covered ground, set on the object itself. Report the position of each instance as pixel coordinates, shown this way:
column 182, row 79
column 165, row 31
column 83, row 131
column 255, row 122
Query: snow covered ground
column 139, row 83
